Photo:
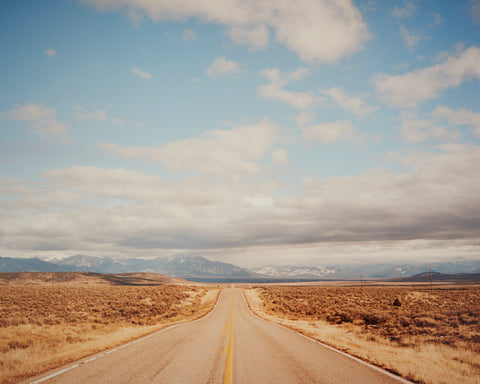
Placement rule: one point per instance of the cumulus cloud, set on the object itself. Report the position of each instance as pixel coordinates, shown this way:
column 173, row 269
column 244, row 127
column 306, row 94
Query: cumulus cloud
column 255, row 37
column 279, row 156
column 409, row 39
column 222, row 66
column 406, row 10
column 410, row 89
column 442, row 125
column 353, row 104
column 277, row 81
column 416, row 130
column 218, row 152
column 41, row 118
column 318, row 31
column 459, row 117
column 144, row 75
column 84, row 114
column 329, row 133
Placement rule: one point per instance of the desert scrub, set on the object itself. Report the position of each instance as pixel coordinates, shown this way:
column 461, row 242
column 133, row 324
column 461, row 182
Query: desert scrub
column 45, row 326
column 446, row 316
column 430, row 338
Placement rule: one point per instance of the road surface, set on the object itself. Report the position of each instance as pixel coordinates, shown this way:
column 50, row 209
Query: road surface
column 229, row 345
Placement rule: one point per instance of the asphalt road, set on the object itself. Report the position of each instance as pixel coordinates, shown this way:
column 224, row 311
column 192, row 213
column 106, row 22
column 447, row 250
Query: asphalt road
column 229, row 345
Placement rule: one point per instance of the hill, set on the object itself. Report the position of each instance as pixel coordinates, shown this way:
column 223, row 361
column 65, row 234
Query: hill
column 85, row 278
column 183, row 266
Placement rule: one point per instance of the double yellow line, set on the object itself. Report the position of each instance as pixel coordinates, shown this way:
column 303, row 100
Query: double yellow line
column 228, row 350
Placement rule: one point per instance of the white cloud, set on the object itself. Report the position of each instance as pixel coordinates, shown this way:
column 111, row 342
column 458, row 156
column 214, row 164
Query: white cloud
column 353, row 104
column 188, row 34
column 318, row 31
column 407, row 10
column 256, row 37
column 51, row 52
column 459, row 117
column 410, row 89
column 475, row 10
column 305, row 118
column 222, row 66
column 416, row 130
column 277, row 81
column 441, row 126
column 84, row 114
column 279, row 156
column 41, row 118
column 329, row 133
column 144, row 75
column 219, row 152
column 410, row 40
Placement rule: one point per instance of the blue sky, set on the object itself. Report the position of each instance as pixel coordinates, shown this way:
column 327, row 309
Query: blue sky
column 249, row 132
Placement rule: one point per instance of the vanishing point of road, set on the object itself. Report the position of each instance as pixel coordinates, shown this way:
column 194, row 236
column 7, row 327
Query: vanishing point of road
column 229, row 345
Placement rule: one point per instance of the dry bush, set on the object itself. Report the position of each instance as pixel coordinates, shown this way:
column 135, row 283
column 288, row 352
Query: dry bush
column 45, row 326
column 426, row 337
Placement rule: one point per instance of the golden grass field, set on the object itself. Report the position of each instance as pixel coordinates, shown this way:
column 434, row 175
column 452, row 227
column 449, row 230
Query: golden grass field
column 427, row 337
column 48, row 320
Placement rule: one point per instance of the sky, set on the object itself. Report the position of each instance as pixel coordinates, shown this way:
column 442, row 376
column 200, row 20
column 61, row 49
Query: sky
column 252, row 132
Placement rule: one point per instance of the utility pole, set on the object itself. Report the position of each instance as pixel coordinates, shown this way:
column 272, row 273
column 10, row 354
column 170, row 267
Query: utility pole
column 430, row 269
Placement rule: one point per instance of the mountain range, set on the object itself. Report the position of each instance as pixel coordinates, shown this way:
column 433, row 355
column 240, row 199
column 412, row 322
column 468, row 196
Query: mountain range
column 201, row 269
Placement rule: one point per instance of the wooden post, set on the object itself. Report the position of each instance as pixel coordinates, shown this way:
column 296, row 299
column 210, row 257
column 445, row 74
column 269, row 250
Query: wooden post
column 430, row 269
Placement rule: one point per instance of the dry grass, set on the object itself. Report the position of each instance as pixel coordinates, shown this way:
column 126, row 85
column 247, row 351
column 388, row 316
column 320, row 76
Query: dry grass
column 422, row 336
column 46, row 326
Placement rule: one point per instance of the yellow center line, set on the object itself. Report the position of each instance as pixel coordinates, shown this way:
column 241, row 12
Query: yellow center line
column 229, row 350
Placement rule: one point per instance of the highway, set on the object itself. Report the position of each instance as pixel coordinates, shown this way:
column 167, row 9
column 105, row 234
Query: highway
column 229, row 345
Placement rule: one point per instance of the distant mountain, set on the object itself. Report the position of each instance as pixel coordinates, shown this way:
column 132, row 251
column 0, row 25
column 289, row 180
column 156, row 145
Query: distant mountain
column 435, row 276
column 94, row 264
column 8, row 264
column 202, row 269
column 357, row 271
column 295, row 272
column 185, row 266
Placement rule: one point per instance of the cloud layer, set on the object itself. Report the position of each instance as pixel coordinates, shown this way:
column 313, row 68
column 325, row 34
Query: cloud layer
column 435, row 198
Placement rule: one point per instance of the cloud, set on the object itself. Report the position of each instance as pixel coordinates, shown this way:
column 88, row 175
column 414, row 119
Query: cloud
column 329, row 133
column 188, row 34
column 41, row 118
column 256, row 37
column 416, row 130
column 218, row 152
column 459, row 117
column 475, row 10
column 222, row 66
column 144, row 75
column 410, row 89
column 409, row 39
column 441, row 126
column 279, row 156
column 317, row 31
column 277, row 81
column 127, row 212
column 83, row 114
column 352, row 104
column 407, row 10
column 51, row 52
